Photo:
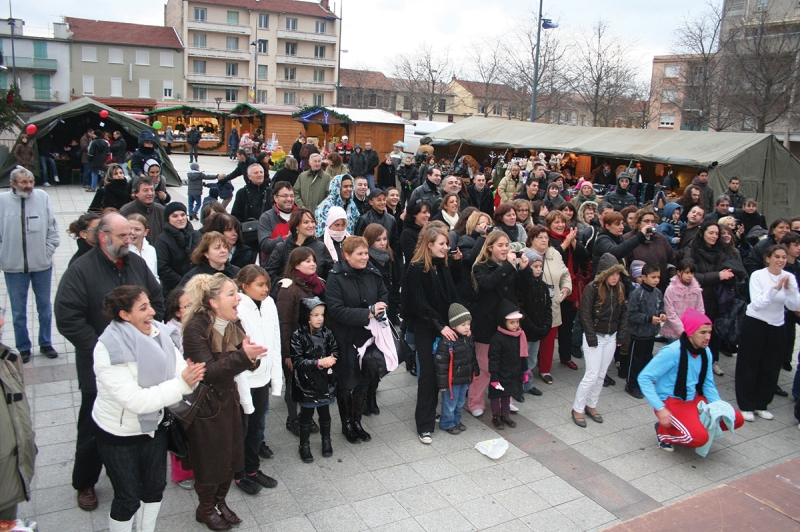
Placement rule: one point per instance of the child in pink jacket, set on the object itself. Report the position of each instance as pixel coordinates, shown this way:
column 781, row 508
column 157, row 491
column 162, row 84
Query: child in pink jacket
column 683, row 292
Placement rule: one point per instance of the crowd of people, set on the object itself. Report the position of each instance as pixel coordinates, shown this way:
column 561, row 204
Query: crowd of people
column 312, row 285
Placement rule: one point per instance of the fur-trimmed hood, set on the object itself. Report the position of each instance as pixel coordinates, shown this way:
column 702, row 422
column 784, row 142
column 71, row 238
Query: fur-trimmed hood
column 606, row 266
column 588, row 204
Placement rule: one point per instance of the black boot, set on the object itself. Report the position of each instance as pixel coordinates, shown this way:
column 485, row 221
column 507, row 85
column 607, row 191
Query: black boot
column 305, row 447
column 367, row 410
column 372, row 398
column 411, row 366
column 345, row 409
column 358, row 405
column 325, row 432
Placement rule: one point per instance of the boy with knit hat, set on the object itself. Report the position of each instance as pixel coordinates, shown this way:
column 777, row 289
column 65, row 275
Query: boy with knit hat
column 677, row 379
column 456, row 365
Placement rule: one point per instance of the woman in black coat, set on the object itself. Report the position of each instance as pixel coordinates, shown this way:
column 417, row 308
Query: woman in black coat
column 302, row 226
column 428, row 292
column 355, row 293
column 115, row 191
column 174, row 247
column 417, row 215
column 211, row 257
column 470, row 245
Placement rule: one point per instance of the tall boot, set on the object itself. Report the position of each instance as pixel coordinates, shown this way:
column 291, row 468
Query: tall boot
column 345, row 413
column 358, row 405
column 325, row 432
column 372, row 398
column 120, row 526
column 222, row 506
column 146, row 516
column 305, row 447
column 206, row 512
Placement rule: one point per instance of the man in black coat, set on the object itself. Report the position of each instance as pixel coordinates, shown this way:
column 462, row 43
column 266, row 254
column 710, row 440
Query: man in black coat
column 119, row 148
column 193, row 140
column 531, row 190
column 243, row 162
column 80, row 319
column 372, row 163
column 377, row 215
column 254, row 198
column 480, row 196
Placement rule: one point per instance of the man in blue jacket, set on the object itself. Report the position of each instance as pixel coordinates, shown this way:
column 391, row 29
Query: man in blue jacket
column 678, row 378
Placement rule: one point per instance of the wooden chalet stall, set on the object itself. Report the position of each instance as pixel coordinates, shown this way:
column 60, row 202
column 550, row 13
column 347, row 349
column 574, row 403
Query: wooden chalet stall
column 214, row 127
column 323, row 124
column 273, row 120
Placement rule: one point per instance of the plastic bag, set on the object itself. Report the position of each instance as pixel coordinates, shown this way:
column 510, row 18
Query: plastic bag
column 494, row 449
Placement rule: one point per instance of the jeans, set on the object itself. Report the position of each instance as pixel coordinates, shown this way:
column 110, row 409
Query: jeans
column 451, row 407
column 192, row 152
column 253, row 430
column 88, row 463
column 138, row 472
column 371, row 180
column 597, row 361
column 48, row 168
column 194, row 204
column 17, row 285
column 86, row 175
column 531, row 361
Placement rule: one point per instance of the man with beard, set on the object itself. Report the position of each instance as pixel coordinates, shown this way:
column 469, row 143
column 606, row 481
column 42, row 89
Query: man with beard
column 144, row 203
column 80, row 319
column 28, row 239
column 312, row 185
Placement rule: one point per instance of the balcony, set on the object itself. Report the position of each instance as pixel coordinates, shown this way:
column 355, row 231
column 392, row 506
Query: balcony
column 305, row 61
column 328, row 38
column 201, row 25
column 32, row 63
column 305, row 85
column 39, row 95
column 218, row 53
column 223, row 81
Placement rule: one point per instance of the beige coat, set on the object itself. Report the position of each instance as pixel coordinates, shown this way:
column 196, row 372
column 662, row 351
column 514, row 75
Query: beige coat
column 556, row 274
column 508, row 189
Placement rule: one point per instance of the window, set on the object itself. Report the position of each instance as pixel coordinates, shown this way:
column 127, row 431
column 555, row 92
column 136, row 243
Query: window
column 233, row 18
column 88, row 85
column 231, row 69
column 291, row 24
column 3, row 80
column 698, row 73
column 319, row 99
column 142, row 57
column 263, row 46
column 41, row 86
column 762, row 5
column 116, row 87
column 231, row 95
column 482, row 109
column 198, row 67
column 450, row 118
column 442, row 105
column 406, row 102
column 199, row 93
column 319, row 76
column 669, row 96
column 89, row 54
column 262, row 72
column 672, row 71
column 373, row 100
column 144, row 88
column 263, row 22
column 200, row 14
column 166, row 59
column 261, row 96
column 115, row 56
column 289, row 74
column 40, row 52
column 321, row 27
column 319, row 52
column 167, row 89
column 288, row 97
column 232, row 43
column 666, row 121
column 199, row 40
column 497, row 109
column 291, row 48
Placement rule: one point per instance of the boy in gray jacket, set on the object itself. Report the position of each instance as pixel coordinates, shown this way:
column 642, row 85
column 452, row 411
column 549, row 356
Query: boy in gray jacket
column 645, row 316
column 195, row 192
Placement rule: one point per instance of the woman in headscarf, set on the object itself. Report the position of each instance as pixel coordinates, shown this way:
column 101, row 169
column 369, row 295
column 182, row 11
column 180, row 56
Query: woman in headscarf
column 335, row 232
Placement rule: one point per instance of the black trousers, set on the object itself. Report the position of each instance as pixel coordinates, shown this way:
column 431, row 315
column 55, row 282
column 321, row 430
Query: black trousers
column 568, row 313
column 193, row 152
column 758, row 364
column 640, row 353
column 307, row 414
column 138, row 472
column 427, row 391
column 789, row 327
column 252, row 429
column 88, row 462
column 291, row 405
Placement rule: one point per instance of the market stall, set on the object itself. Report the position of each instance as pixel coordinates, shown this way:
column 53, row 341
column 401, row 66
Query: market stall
column 214, row 127
column 275, row 121
column 328, row 124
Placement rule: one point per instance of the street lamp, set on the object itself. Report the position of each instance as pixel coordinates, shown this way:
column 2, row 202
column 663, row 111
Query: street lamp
column 218, row 99
column 543, row 23
column 255, row 69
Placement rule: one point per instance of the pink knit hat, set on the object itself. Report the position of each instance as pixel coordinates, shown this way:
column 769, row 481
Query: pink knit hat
column 692, row 320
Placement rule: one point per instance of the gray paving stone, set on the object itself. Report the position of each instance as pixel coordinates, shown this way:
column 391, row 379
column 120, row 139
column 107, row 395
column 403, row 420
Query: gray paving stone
column 361, row 486
column 494, row 479
column 484, row 512
column 406, row 525
column 586, row 513
column 293, row 524
column 520, row 501
column 469, row 460
column 398, row 477
column 380, row 510
column 420, row 500
column 436, row 468
column 550, row 520
column 340, row 518
column 458, row 489
column 448, row 519
column 54, row 418
column 318, row 495
column 554, row 490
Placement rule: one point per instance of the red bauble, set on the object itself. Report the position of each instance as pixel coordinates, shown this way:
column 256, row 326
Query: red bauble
column 31, row 129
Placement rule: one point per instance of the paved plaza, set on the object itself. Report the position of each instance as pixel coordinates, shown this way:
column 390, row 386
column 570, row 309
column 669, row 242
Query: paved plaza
column 555, row 475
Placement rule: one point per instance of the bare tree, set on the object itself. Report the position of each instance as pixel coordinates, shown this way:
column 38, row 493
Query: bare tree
column 601, row 74
column 423, row 76
column 354, row 86
column 641, row 110
column 487, row 63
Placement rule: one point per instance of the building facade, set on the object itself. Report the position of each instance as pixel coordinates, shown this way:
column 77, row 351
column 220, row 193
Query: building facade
column 278, row 52
column 41, row 60
column 490, row 100
column 131, row 67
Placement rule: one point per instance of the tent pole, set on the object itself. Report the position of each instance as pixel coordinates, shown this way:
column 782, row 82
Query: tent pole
column 455, row 159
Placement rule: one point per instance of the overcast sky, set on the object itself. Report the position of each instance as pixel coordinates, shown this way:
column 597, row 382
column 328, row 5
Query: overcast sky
column 374, row 31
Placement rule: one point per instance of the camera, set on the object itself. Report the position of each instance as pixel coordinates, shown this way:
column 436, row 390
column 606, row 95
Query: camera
column 452, row 252
column 650, row 230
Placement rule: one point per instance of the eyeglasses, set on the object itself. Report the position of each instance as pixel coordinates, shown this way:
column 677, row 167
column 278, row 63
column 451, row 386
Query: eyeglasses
column 285, row 196
column 524, row 210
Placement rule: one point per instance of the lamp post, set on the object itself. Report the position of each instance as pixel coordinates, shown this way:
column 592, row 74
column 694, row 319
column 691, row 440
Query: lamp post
column 12, row 23
column 542, row 23
column 255, row 70
column 218, row 100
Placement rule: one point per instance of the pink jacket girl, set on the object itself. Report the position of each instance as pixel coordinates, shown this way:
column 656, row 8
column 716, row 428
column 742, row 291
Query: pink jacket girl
column 683, row 292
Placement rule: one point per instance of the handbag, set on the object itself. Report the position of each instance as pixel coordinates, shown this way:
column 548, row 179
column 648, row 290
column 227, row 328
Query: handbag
column 404, row 351
column 187, row 408
column 177, row 440
column 250, row 232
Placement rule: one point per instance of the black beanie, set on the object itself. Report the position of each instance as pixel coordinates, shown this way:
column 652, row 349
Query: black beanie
column 172, row 207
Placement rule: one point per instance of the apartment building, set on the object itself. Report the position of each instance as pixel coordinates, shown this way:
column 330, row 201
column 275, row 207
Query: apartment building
column 492, row 100
column 131, row 67
column 269, row 52
column 668, row 85
column 41, row 59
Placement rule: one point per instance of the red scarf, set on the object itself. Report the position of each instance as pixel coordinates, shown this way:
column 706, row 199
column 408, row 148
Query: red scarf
column 523, row 340
column 313, row 281
column 568, row 251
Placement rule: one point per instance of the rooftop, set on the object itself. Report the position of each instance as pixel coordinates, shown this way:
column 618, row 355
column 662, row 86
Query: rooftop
column 365, row 79
column 294, row 7
column 106, row 31
column 480, row 89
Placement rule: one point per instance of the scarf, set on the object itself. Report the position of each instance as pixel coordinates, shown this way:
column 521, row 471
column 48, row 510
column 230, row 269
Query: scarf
column 683, row 367
column 569, row 263
column 523, row 340
column 329, row 236
column 226, row 336
column 154, row 358
column 381, row 256
column 450, row 220
column 313, row 281
column 510, row 230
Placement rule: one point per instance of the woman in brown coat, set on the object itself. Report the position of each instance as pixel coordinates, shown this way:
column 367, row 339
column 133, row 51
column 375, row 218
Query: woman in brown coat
column 23, row 152
column 212, row 334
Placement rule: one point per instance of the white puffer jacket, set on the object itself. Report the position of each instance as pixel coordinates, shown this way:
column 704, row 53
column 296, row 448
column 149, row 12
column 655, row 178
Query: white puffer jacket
column 120, row 399
column 264, row 329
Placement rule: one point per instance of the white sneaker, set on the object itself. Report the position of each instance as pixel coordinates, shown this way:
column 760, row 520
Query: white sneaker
column 425, row 437
column 55, row 178
column 513, row 408
column 47, row 184
column 748, row 416
column 717, row 370
column 764, row 414
column 477, row 413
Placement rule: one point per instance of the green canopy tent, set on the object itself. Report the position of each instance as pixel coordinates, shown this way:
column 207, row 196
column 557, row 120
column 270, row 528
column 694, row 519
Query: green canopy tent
column 72, row 119
column 768, row 172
